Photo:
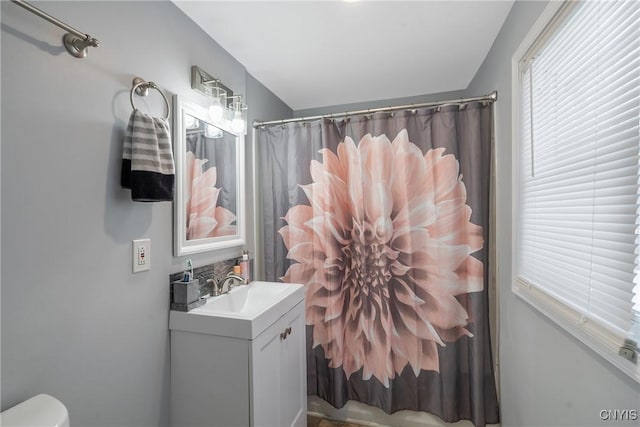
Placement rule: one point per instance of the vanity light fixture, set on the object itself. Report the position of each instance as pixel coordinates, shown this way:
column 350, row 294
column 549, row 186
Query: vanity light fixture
column 223, row 106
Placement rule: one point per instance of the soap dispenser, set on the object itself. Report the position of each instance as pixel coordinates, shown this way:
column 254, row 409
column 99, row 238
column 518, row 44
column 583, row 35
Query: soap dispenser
column 244, row 267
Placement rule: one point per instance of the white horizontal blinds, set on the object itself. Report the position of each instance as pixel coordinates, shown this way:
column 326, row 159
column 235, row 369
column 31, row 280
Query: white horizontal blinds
column 578, row 188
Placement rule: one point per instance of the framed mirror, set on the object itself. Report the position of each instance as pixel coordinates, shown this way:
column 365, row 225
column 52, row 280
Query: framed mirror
column 209, row 203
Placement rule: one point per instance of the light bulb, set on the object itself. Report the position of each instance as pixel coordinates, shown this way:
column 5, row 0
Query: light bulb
column 191, row 122
column 212, row 132
column 216, row 110
column 237, row 124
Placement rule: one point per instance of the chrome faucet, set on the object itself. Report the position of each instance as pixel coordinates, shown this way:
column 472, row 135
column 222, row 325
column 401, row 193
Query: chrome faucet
column 217, row 287
column 231, row 278
column 214, row 287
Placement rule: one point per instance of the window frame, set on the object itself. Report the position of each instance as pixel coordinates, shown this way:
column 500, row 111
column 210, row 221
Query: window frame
column 590, row 332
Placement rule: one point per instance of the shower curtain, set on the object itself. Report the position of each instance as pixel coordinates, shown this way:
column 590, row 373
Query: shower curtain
column 384, row 218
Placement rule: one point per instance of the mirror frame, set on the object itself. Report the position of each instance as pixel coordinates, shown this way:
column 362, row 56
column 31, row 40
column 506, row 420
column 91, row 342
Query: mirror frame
column 182, row 246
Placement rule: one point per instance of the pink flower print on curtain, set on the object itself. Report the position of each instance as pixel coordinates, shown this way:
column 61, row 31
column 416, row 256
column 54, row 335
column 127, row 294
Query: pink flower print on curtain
column 385, row 251
column 204, row 217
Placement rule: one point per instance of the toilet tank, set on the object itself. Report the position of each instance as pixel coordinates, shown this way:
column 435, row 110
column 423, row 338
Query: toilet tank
column 39, row 411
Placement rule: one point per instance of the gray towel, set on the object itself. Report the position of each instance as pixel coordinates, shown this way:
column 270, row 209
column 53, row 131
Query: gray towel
column 147, row 159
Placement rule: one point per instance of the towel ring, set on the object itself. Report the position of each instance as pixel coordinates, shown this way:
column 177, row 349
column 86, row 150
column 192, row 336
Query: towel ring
column 141, row 88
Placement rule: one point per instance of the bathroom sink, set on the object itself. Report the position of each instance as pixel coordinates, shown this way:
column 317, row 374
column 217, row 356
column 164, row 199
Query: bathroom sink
column 244, row 312
column 247, row 300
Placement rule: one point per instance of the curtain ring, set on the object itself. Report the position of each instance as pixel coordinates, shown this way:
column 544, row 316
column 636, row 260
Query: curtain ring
column 369, row 114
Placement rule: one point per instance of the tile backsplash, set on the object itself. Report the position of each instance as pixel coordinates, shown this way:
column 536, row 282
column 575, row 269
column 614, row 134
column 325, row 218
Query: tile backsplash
column 216, row 270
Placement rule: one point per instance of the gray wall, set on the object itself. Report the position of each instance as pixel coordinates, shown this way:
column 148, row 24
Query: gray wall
column 76, row 323
column 380, row 103
column 548, row 378
column 264, row 104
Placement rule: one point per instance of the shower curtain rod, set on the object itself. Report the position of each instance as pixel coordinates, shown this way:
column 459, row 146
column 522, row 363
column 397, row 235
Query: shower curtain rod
column 492, row 97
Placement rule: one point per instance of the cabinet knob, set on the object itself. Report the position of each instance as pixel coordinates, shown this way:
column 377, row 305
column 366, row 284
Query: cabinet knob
column 285, row 334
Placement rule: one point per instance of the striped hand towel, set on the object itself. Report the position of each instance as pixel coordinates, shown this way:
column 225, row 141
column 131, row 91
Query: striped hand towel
column 147, row 159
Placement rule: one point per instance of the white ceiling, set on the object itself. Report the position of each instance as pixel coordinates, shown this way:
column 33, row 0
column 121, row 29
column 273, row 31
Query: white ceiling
column 320, row 53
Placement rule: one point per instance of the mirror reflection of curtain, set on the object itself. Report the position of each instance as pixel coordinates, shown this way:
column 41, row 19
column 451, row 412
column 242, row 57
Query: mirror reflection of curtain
column 221, row 153
column 385, row 219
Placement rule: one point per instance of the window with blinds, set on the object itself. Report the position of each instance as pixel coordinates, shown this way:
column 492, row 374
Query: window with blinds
column 576, row 210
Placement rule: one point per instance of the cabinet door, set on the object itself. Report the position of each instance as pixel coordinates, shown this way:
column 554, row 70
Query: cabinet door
column 278, row 388
column 265, row 382
column 293, row 372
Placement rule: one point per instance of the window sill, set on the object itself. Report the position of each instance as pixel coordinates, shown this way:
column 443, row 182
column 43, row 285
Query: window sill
column 589, row 332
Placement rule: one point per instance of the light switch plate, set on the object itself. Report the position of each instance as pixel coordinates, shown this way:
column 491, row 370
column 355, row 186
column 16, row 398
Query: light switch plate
column 141, row 256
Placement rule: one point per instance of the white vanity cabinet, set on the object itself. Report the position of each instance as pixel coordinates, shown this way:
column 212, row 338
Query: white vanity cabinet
column 279, row 373
column 229, row 376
